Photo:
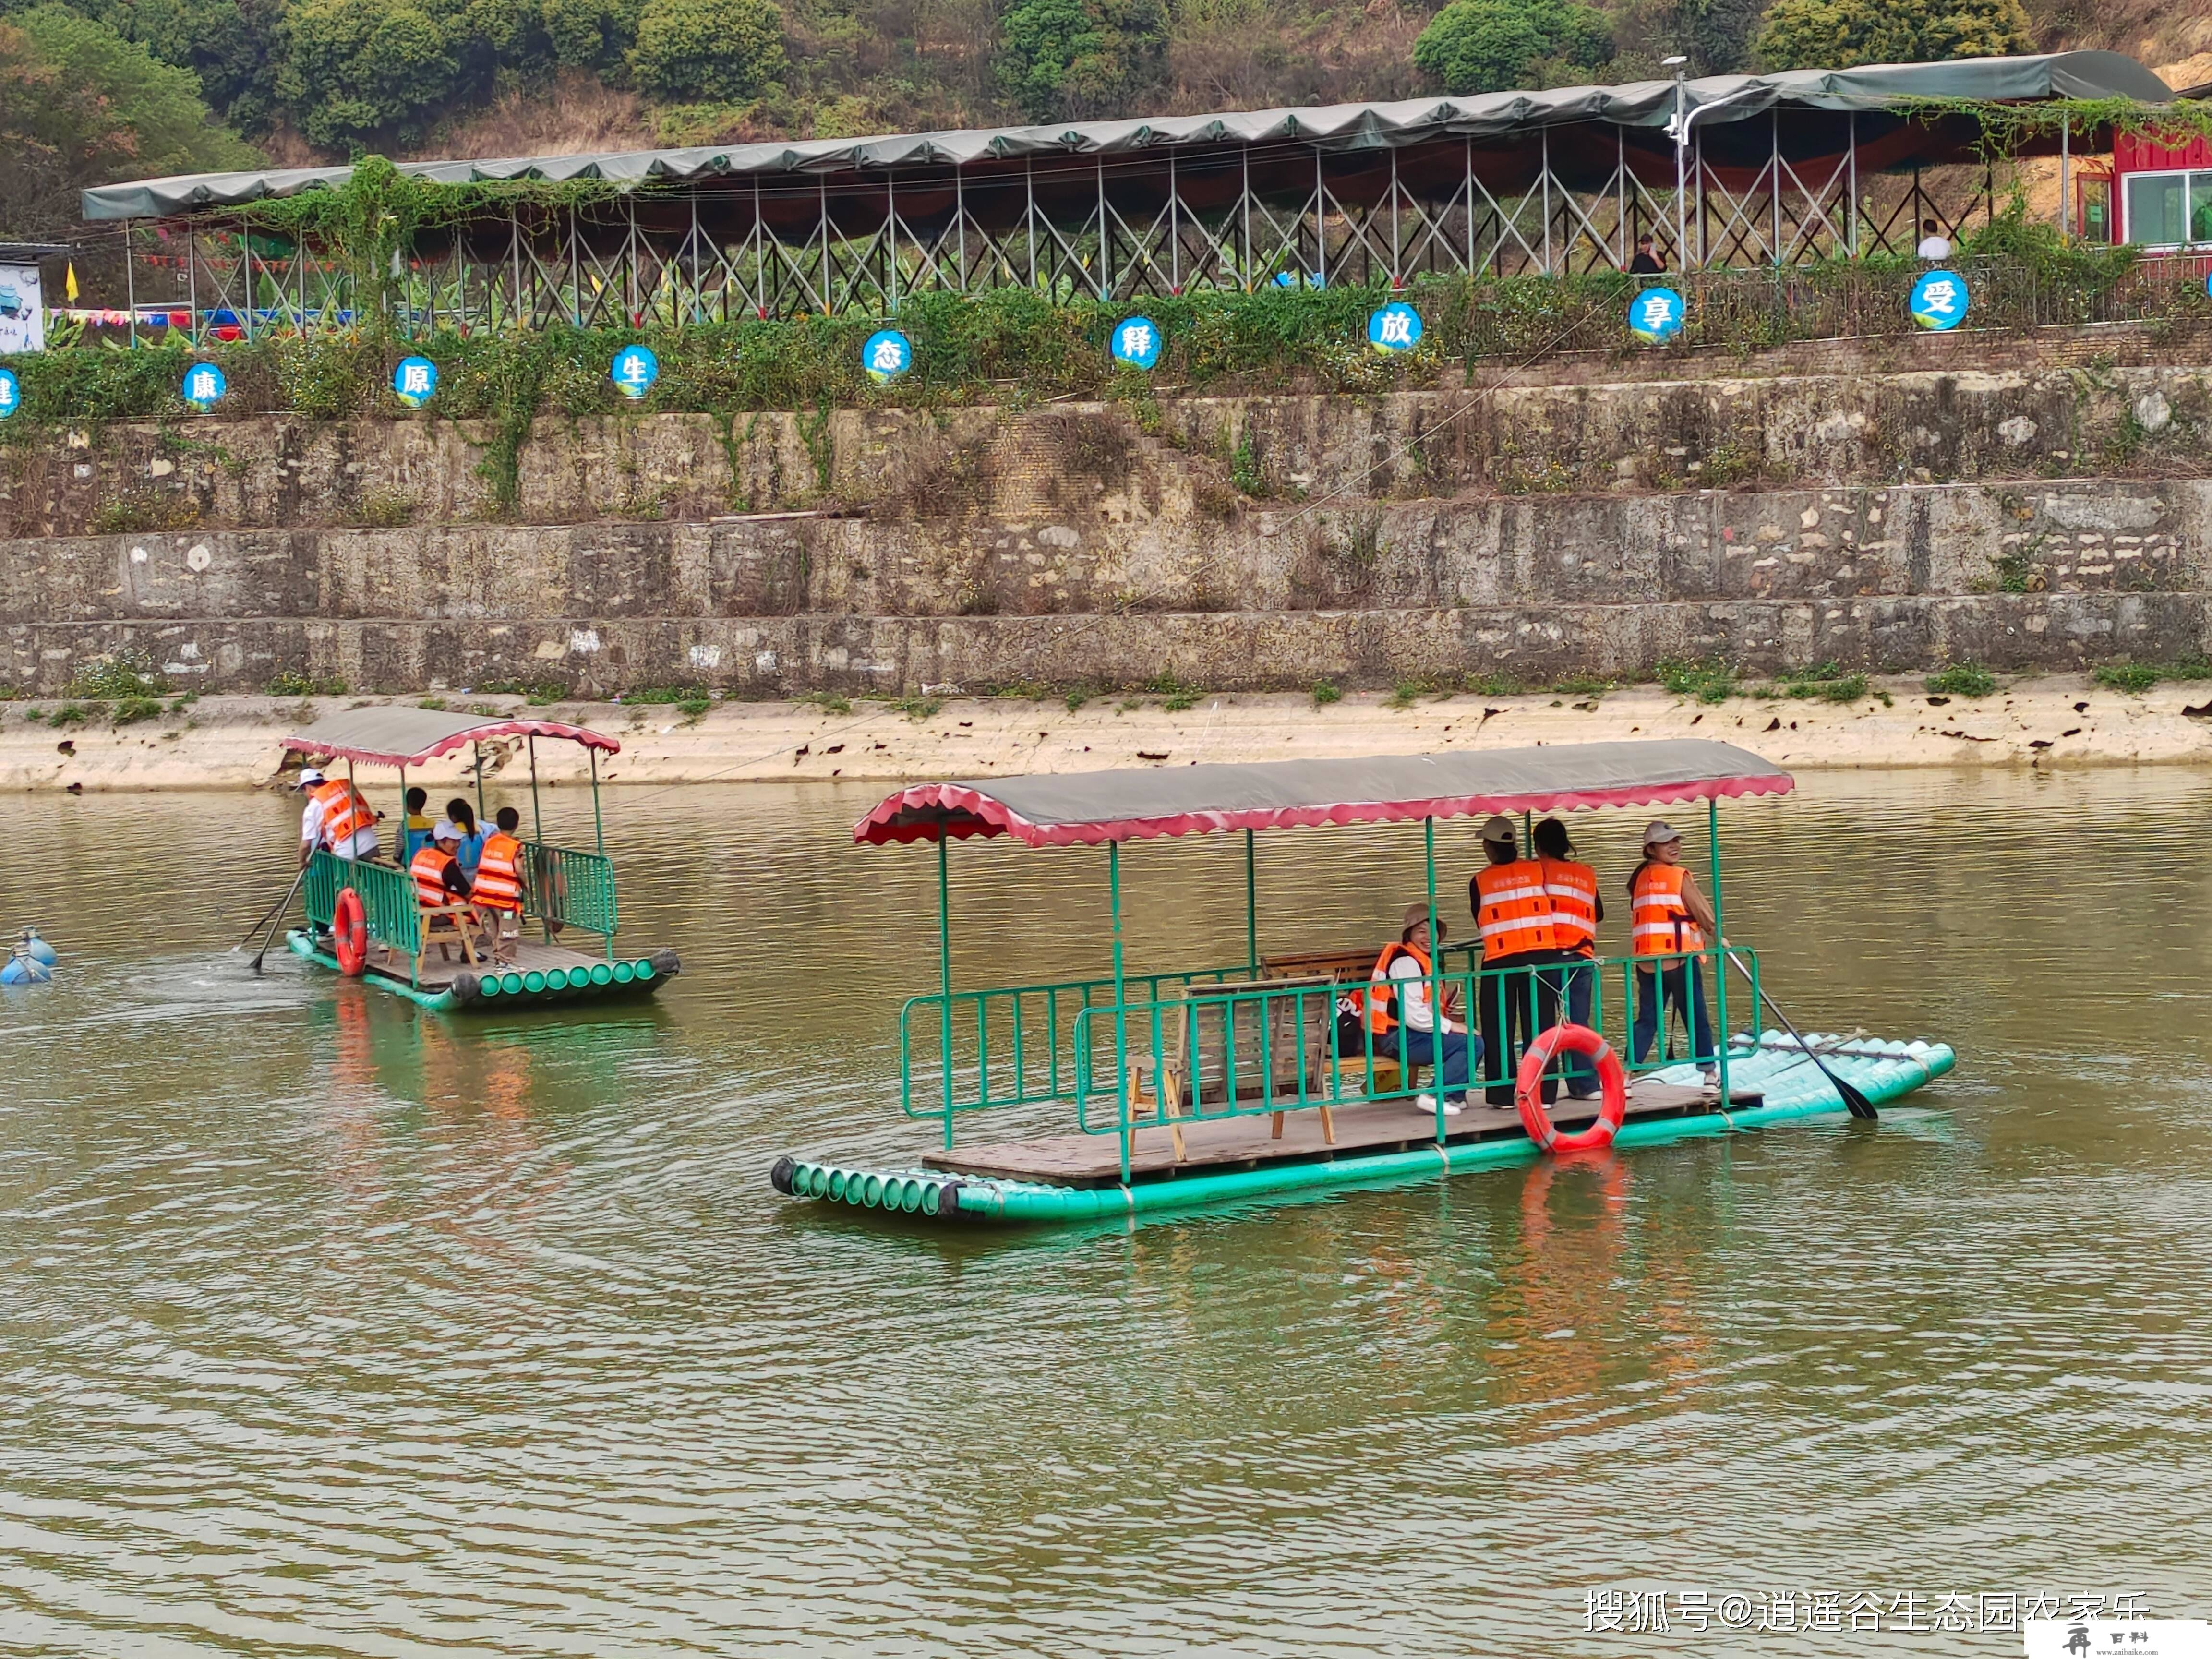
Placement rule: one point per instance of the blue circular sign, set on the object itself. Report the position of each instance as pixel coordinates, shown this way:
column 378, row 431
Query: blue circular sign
column 11, row 393
column 1655, row 315
column 415, row 380
column 1940, row 300
column 634, row 369
column 204, row 386
column 1136, row 342
column 887, row 355
column 1396, row 327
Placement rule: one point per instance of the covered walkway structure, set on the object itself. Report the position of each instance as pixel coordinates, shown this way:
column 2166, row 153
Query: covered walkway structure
column 1726, row 172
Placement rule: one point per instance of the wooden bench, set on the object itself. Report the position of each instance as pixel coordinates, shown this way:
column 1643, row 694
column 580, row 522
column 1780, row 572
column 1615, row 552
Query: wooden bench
column 437, row 921
column 1346, row 969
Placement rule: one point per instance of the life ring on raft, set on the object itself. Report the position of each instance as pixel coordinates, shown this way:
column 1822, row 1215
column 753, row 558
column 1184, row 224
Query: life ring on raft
column 349, row 933
column 1529, row 1089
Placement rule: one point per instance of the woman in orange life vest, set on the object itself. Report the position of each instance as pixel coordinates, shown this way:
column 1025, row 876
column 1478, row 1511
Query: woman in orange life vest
column 498, row 888
column 1670, row 915
column 1577, row 909
column 1514, row 915
column 1402, row 1022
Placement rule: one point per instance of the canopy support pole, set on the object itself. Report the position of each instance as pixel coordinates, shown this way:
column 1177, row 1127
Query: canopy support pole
column 1251, row 910
column 944, row 972
column 402, row 856
column 1436, row 985
column 537, row 830
column 1720, row 952
column 1120, row 1018
column 599, row 832
column 478, row 747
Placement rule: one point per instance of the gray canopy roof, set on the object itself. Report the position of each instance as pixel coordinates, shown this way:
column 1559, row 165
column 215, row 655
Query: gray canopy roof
column 1334, row 127
column 386, row 736
column 1131, row 804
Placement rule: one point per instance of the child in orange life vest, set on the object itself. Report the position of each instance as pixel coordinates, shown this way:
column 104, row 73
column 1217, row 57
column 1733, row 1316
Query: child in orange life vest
column 1670, row 916
column 499, row 882
column 1514, row 915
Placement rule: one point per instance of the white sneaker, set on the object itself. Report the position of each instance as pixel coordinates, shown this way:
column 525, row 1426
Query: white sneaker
column 1451, row 1110
column 1426, row 1103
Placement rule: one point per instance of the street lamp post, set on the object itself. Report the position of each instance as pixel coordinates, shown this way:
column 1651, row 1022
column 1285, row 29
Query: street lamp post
column 1681, row 131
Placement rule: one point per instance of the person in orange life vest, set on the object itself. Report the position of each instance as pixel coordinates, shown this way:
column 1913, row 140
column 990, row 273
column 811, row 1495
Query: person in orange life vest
column 438, row 877
column 498, row 888
column 1670, row 915
column 1403, row 1023
column 335, row 818
column 1514, row 915
column 1577, row 909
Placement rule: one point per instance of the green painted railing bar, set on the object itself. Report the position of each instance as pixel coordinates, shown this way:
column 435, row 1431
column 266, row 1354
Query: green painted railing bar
column 387, row 898
column 574, row 889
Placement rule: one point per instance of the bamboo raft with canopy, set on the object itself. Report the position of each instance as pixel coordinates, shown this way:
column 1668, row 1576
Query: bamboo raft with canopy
column 406, row 950
column 1225, row 1083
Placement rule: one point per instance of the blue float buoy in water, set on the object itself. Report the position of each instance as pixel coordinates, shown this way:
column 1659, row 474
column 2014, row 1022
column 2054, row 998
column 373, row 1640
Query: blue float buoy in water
column 31, row 962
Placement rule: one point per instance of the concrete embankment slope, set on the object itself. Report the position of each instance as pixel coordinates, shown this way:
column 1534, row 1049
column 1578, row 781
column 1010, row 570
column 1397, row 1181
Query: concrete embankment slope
column 2024, row 517
column 2056, row 721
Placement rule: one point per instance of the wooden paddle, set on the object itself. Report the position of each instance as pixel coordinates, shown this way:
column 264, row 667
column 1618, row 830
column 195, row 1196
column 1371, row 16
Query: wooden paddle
column 1856, row 1103
column 262, row 921
column 275, row 917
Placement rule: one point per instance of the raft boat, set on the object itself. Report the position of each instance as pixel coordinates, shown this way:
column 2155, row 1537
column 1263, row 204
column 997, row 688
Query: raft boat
column 1227, row 1084
column 363, row 918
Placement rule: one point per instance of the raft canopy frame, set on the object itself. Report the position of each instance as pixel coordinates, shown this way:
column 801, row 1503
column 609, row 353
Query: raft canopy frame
column 1110, row 807
column 566, row 886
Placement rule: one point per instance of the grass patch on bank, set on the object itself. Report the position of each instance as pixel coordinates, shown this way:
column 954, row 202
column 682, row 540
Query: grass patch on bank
column 1961, row 679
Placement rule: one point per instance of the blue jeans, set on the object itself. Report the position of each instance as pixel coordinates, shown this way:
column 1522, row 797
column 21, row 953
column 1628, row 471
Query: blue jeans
column 1681, row 985
column 1577, row 987
column 1461, row 1051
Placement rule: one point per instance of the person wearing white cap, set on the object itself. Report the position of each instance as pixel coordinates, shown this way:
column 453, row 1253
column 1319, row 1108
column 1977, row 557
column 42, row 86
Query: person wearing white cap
column 335, row 818
column 1513, row 912
column 1669, row 917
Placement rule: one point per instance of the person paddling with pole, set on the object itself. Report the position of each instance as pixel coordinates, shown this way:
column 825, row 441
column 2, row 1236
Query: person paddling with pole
column 1670, row 918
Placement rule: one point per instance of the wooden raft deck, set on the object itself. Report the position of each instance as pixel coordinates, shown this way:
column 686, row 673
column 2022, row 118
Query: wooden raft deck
column 1244, row 1143
column 529, row 954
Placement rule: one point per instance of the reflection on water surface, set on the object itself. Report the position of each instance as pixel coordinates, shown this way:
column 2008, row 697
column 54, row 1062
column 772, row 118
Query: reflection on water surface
column 335, row 1327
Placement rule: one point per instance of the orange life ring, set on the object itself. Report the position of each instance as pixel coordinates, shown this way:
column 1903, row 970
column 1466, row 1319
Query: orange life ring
column 349, row 933
column 1529, row 1089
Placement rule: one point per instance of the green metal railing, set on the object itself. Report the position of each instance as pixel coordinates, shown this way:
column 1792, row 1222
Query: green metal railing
column 1258, row 1049
column 565, row 888
column 387, row 898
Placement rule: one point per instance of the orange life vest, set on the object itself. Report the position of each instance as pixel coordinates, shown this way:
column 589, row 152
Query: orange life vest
column 345, row 814
column 1381, row 995
column 1512, row 909
column 499, row 873
column 1572, row 889
column 429, row 868
column 1660, row 923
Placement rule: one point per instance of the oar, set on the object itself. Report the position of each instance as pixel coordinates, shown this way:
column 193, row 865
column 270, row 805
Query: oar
column 276, row 917
column 1856, row 1103
column 262, row 921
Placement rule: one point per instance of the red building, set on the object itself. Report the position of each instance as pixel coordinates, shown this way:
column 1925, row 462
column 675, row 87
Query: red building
column 2161, row 189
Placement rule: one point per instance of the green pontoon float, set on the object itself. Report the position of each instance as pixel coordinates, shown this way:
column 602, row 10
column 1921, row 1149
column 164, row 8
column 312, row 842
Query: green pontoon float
column 1227, row 1083
column 566, row 890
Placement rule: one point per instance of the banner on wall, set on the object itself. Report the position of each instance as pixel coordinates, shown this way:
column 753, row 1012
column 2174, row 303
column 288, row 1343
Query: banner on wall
column 22, row 310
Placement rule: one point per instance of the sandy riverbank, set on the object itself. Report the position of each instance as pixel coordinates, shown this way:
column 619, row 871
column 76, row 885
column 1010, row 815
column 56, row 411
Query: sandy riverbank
column 235, row 743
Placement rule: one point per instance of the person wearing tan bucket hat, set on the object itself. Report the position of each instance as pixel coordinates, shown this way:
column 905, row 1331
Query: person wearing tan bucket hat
column 1403, row 1024
column 1669, row 917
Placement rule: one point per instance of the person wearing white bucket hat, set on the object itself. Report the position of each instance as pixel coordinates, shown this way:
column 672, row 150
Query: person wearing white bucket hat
column 1669, row 919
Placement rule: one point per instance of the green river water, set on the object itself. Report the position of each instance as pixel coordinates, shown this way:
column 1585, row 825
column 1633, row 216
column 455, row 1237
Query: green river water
column 335, row 1327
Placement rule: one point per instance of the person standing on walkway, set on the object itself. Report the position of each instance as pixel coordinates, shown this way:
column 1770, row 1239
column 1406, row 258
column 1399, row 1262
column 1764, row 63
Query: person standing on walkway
column 1577, row 909
column 1669, row 917
column 1514, row 914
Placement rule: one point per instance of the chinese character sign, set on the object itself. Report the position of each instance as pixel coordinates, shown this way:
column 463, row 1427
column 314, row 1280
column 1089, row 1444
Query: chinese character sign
column 635, row 370
column 887, row 355
column 414, row 380
column 11, row 393
column 1136, row 342
column 1396, row 327
column 1939, row 299
column 1655, row 316
column 204, row 386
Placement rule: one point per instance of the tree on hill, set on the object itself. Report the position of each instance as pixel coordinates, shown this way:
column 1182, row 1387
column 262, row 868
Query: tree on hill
column 1496, row 45
column 366, row 72
column 81, row 105
column 707, row 51
column 1077, row 59
column 1840, row 34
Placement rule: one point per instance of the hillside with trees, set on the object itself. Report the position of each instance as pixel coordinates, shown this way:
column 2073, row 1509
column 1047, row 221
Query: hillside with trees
column 97, row 89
